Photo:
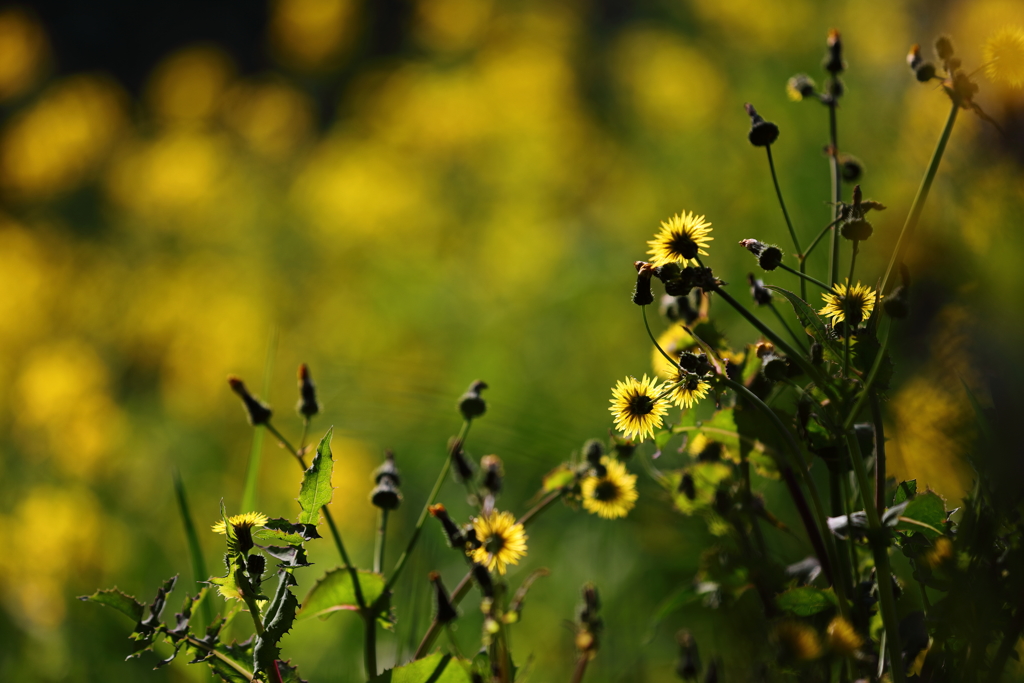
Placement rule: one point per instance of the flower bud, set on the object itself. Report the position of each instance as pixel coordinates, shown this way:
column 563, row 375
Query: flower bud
column 688, row 664
column 463, row 465
column 857, row 229
column 775, row 368
column 483, row 580
column 799, row 87
column 914, row 58
column 925, row 72
column 755, row 247
column 257, row 412
column 588, row 614
column 817, row 353
column 255, row 565
column 388, row 469
column 445, row 610
column 834, row 57
column 455, row 537
column 471, row 404
column 762, row 133
column 770, row 258
column 386, row 495
column 493, row 473
column 762, row 296
column 308, row 405
column 623, row 447
column 943, row 48
column 642, row 294
column 677, row 308
column 593, row 450
column 850, row 167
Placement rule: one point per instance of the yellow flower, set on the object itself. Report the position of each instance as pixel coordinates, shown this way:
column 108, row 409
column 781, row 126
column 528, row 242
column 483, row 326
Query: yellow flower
column 246, row 520
column 612, row 495
column 858, row 301
column 681, row 239
column 503, row 540
column 843, row 639
column 637, row 407
column 1004, row 56
column 797, row 641
column 688, row 389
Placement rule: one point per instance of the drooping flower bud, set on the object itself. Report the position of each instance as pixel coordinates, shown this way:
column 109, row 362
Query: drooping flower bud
column 308, row 406
column 452, row 532
column 770, row 258
column 493, row 473
column 471, row 404
column 642, row 294
column 799, row 87
column 483, row 580
column 762, row 295
column 445, row 610
column 258, row 413
column 762, row 133
column 463, row 465
column 593, row 450
column 850, row 167
column 834, row 57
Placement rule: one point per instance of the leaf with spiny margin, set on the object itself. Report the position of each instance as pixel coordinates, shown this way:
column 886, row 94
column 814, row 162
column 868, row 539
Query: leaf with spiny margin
column 805, row 600
column 290, row 556
column 286, row 673
column 436, row 668
column 335, row 592
column 239, row 653
column 925, row 513
column 316, row 490
column 277, row 621
column 905, row 491
column 810, row 320
column 280, row 530
column 123, row 603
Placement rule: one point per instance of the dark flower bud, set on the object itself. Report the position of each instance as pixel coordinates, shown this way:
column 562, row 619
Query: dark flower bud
column 686, row 486
column 688, row 361
column 762, row 296
column 963, row 89
column 493, row 473
column 703, row 367
column 472, row 542
column 463, row 465
column 925, row 72
column 711, row 675
column 445, row 610
column 622, row 446
column 677, row 308
column 856, row 229
column 258, row 413
column 591, row 605
column 593, row 450
column 914, row 58
column 850, row 167
column 755, row 247
column 255, row 564
column 669, row 271
column 678, row 287
column 642, row 294
column 834, row 57
column 943, row 48
column 388, row 469
column 799, row 87
column 817, row 353
column 770, row 258
column 483, row 580
column 451, row 530
column 688, row 664
column 762, row 133
column 308, row 405
column 386, row 495
column 471, row 404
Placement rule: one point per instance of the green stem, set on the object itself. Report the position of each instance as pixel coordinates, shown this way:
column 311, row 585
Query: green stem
column 581, row 668
column 254, row 612
column 672, row 361
column 805, row 276
column 837, row 192
column 378, row 550
column 879, row 541
column 785, row 214
column 876, row 417
column 222, row 657
column 815, row 522
column 849, row 332
column 404, row 557
column 872, row 375
column 817, row 239
column 837, row 507
column 847, row 498
column 922, row 194
column 370, row 644
column 785, row 325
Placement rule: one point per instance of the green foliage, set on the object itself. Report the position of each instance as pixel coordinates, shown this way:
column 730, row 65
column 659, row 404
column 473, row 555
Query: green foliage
column 334, row 592
column 811, row 321
column 114, row 598
column 804, row 601
column 278, row 618
column 435, row 668
column 316, row 490
column 925, row 513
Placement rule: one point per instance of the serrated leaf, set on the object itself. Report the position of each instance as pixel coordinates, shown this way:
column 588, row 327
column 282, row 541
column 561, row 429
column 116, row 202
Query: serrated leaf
column 805, row 600
column 286, row 673
column 334, row 592
column 156, row 608
column 925, row 514
column 810, row 320
column 280, row 530
column 316, row 490
column 277, row 621
column 290, row 556
column 905, row 491
column 435, row 668
column 123, row 603
column 558, row 478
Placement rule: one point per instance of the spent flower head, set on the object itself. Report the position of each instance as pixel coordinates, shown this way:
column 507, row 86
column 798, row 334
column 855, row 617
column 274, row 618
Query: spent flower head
column 502, row 540
column 681, row 239
column 845, row 303
column 637, row 406
column 612, row 495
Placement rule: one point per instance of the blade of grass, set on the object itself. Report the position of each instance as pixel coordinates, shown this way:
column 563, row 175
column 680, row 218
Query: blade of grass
column 194, row 549
column 252, row 469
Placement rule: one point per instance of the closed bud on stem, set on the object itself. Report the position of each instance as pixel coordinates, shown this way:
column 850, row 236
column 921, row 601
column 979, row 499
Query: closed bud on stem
column 385, row 494
column 308, row 405
column 255, row 564
column 593, row 450
column 688, row 664
column 493, row 473
column 483, row 580
column 762, row 295
column 463, row 465
column 914, row 58
column 589, row 624
column 850, row 167
column 944, row 48
column 257, row 412
column 471, row 404
column 834, row 56
column 762, row 133
column 642, row 294
column 623, row 446
column 455, row 537
column 800, row 87
column 445, row 610
column 770, row 258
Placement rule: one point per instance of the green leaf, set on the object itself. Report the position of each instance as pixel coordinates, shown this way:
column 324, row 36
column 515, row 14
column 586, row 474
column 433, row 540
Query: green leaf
column 905, row 491
column 334, row 592
column 558, row 478
column 123, row 603
column 280, row 530
column 805, row 600
column 316, row 490
column 435, row 668
column 661, row 438
column 706, row 478
column 195, row 551
column 810, row 320
column 277, row 620
column 925, row 514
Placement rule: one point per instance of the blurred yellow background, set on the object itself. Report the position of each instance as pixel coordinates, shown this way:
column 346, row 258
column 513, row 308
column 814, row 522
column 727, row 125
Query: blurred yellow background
column 409, row 196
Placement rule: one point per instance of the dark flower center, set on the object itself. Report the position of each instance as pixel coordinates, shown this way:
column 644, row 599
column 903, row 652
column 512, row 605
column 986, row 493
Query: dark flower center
column 495, row 544
column 683, row 244
column 640, row 404
column 606, row 491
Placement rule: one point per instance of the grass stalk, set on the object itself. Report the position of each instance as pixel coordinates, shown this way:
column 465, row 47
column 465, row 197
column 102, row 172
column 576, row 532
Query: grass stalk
column 195, row 551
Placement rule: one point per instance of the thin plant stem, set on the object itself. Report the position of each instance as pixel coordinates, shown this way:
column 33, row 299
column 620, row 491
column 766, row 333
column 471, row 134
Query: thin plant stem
column 580, row 668
column 254, row 612
column 785, row 325
column 837, row 504
column 849, row 333
column 848, row 498
column 305, row 433
column 650, row 334
column 872, row 375
column 370, row 643
column 876, row 417
column 404, row 557
column 919, row 199
column 785, row 214
column 378, row 550
column 814, row 521
column 837, row 191
column 805, row 276
column 817, row 239
column 879, row 542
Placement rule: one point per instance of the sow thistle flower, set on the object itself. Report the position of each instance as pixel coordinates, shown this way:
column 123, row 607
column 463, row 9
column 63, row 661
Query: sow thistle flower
column 638, row 406
column 857, row 302
column 503, row 541
column 688, row 389
column 244, row 521
column 612, row 495
column 680, row 240
column 1004, row 56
